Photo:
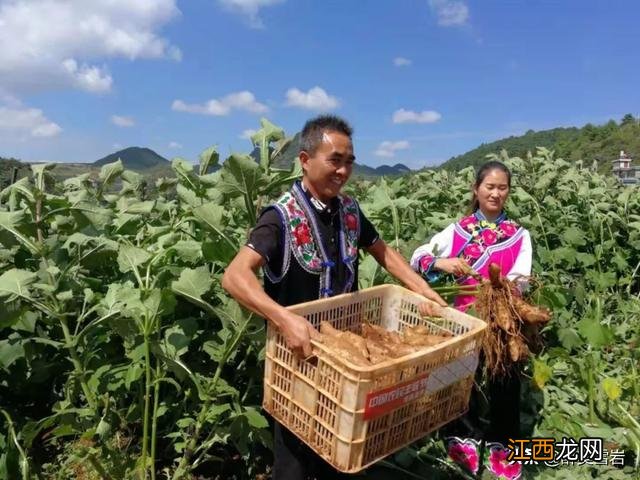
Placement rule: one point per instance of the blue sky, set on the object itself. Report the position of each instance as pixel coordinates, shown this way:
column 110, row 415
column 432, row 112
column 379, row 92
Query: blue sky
column 420, row 80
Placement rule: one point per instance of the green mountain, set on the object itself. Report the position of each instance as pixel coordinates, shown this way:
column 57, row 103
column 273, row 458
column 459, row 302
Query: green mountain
column 135, row 158
column 591, row 142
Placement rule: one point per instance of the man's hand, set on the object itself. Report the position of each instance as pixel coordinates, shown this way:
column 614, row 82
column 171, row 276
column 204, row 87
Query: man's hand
column 427, row 292
column 430, row 309
column 434, row 307
column 297, row 332
column 456, row 266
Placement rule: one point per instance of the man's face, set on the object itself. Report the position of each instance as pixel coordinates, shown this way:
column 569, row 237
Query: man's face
column 329, row 167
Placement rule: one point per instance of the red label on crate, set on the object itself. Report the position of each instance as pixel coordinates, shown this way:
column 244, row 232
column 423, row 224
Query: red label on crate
column 387, row 399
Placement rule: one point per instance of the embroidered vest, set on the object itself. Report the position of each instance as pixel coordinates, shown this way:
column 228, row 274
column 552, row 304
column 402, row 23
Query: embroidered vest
column 481, row 244
column 305, row 255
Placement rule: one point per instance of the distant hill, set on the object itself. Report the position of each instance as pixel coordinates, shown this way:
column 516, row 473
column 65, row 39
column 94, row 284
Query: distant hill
column 591, row 142
column 135, row 158
column 290, row 155
column 7, row 167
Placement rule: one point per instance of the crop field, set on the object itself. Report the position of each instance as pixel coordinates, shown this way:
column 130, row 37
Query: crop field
column 121, row 357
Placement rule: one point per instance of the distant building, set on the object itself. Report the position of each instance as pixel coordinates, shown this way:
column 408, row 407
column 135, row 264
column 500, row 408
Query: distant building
column 627, row 174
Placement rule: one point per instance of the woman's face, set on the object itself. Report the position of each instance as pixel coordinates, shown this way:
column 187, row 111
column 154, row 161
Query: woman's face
column 492, row 193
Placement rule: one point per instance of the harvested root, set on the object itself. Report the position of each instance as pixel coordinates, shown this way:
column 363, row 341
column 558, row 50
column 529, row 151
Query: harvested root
column 357, row 342
column 517, row 349
column 530, row 313
column 513, row 324
column 503, row 318
column 419, row 336
column 377, row 345
column 340, row 343
column 375, row 332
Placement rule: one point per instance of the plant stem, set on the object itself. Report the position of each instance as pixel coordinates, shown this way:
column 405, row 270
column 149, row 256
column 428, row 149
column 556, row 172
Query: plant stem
column 147, row 394
column 24, row 461
column 591, row 389
column 154, row 415
column 76, row 362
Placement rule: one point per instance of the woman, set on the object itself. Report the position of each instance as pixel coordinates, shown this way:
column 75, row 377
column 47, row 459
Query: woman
column 485, row 236
column 474, row 242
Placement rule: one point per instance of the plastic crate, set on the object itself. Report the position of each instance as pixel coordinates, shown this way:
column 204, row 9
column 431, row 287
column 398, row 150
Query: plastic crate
column 353, row 416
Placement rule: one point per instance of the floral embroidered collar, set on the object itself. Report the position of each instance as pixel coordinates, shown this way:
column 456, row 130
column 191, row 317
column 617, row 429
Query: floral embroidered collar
column 483, row 234
column 485, row 223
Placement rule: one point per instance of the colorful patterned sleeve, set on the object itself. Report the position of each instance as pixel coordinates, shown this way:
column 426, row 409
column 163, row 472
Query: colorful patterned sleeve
column 424, row 257
column 425, row 263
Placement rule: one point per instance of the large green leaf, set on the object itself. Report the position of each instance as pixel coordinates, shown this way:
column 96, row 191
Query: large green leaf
column 209, row 158
column 10, row 351
column 81, row 240
column 130, row 257
column 219, row 246
column 159, row 303
column 188, row 196
column 240, row 175
column 16, row 282
column 12, row 222
column 178, row 337
column 262, row 139
column 21, row 187
column 574, row 236
column 188, row 251
column 110, row 171
column 211, row 215
column 193, row 284
column 255, row 418
column 596, row 333
column 136, row 207
column 86, row 213
column 219, row 249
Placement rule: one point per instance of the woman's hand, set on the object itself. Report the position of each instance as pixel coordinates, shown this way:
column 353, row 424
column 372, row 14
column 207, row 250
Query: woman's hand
column 456, row 266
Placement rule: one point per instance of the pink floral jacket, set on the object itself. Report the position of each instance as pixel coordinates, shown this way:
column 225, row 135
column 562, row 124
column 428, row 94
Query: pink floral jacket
column 479, row 243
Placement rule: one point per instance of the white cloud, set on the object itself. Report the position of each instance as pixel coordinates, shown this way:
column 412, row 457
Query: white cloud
column 401, row 62
column 250, row 9
column 92, row 79
column 450, row 12
column 175, row 145
column 247, row 134
column 244, row 100
column 408, row 116
column 52, row 44
column 30, row 121
column 117, row 145
column 389, row 149
column 315, row 99
column 121, row 121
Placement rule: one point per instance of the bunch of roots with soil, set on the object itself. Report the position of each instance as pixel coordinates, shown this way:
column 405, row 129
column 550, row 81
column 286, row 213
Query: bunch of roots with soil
column 513, row 324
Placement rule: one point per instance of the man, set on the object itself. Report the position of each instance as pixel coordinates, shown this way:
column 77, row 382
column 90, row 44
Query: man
column 307, row 243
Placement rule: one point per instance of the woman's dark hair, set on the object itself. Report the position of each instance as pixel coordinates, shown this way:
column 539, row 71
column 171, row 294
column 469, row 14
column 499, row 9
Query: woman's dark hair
column 311, row 136
column 482, row 172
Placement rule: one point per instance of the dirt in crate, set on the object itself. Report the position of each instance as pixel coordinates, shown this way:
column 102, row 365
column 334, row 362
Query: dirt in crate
column 375, row 344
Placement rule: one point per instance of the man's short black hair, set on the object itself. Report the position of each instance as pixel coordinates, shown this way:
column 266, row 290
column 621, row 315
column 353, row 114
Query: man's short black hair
column 311, row 136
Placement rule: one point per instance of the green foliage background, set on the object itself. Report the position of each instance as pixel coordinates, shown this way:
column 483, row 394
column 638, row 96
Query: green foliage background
column 121, row 356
